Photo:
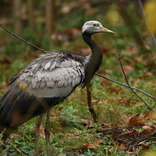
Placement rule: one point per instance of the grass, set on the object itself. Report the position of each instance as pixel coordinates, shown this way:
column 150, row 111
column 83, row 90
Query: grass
column 72, row 129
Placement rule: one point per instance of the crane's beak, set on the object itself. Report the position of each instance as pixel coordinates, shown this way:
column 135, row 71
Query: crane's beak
column 107, row 30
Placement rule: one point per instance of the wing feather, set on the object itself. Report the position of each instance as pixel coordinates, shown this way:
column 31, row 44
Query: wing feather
column 52, row 75
column 47, row 65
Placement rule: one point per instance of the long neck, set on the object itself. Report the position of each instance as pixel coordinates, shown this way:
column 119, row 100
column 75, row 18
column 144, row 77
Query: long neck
column 95, row 58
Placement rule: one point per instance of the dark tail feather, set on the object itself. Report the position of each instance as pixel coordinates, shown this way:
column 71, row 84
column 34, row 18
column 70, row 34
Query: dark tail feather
column 7, row 133
column 4, row 110
column 1, row 128
column 17, row 107
column 8, row 116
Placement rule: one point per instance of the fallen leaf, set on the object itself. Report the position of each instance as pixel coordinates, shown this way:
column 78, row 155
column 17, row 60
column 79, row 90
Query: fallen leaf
column 98, row 141
column 149, row 128
column 89, row 145
column 148, row 115
column 77, row 148
column 125, row 101
column 137, row 59
column 126, row 118
column 128, row 68
column 105, row 82
column 73, row 33
column 114, row 90
column 121, row 147
column 136, row 120
column 147, row 73
column 145, row 147
column 131, row 49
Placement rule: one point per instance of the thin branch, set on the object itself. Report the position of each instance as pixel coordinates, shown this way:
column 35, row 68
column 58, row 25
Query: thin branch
column 12, row 148
column 142, row 10
column 122, row 84
column 4, row 151
column 22, row 39
column 19, row 151
column 119, row 57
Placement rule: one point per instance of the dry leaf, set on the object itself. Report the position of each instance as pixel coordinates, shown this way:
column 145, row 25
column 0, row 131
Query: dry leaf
column 145, row 147
column 89, row 145
column 136, row 121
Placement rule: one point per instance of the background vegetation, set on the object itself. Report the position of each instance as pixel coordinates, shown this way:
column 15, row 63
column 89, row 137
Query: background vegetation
column 125, row 125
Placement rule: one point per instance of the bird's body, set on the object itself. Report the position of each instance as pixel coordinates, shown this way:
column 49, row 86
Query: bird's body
column 48, row 81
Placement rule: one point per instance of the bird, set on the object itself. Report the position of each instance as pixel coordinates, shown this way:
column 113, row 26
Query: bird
column 48, row 80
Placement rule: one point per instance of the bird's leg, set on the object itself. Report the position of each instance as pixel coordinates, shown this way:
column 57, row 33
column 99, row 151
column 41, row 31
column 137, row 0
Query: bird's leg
column 37, row 134
column 47, row 133
column 90, row 106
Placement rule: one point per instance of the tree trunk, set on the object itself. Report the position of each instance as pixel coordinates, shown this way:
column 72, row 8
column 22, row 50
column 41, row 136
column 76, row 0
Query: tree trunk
column 17, row 16
column 31, row 13
column 50, row 16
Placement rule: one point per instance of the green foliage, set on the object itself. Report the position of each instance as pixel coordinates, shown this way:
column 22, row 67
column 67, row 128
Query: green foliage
column 16, row 47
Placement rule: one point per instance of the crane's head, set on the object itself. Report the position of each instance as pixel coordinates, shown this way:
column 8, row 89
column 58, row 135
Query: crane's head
column 92, row 27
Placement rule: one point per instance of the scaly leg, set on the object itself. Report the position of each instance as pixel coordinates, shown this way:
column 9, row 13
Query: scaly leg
column 47, row 133
column 37, row 134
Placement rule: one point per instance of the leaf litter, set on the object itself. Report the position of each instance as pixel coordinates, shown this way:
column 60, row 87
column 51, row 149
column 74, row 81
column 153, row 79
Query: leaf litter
column 138, row 134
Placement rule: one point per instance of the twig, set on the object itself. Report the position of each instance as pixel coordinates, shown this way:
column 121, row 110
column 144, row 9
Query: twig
column 122, row 84
column 4, row 151
column 12, row 148
column 119, row 57
column 90, row 106
column 142, row 10
column 22, row 39
column 19, row 151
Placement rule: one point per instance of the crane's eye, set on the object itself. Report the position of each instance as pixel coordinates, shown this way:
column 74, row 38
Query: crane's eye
column 94, row 25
